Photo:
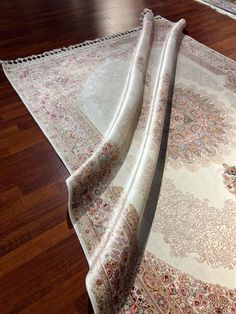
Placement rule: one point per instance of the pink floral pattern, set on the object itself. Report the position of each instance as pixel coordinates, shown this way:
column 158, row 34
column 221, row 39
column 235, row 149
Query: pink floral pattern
column 212, row 61
column 210, row 231
column 91, row 208
column 200, row 130
column 230, row 178
column 111, row 284
column 171, row 291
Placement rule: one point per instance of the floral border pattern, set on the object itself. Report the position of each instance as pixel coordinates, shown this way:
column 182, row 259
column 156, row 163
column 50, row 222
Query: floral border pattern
column 230, row 178
column 161, row 288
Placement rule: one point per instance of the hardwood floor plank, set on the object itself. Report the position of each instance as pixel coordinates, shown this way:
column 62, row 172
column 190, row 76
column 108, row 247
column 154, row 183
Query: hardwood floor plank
column 35, row 247
column 36, row 278
column 9, row 196
column 65, row 293
column 30, row 229
column 16, row 113
column 28, row 137
column 9, row 131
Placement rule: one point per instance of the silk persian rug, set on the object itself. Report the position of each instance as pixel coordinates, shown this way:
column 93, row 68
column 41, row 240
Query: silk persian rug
column 145, row 121
column 227, row 7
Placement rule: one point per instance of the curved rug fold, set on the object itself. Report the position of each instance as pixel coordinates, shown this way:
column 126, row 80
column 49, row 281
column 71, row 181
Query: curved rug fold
column 145, row 122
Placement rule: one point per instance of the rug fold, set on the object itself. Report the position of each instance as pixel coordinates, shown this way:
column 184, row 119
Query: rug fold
column 101, row 169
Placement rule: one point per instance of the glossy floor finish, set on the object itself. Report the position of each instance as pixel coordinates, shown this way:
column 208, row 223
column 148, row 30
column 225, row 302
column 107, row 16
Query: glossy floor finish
column 42, row 267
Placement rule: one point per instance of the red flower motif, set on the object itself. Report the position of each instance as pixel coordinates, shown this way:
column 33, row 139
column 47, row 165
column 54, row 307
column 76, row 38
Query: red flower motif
column 98, row 282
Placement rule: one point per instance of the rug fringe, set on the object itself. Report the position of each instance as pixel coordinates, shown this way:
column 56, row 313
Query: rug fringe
column 36, row 57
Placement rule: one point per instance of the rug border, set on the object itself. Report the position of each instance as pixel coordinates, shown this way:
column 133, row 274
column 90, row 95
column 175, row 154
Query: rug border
column 36, row 119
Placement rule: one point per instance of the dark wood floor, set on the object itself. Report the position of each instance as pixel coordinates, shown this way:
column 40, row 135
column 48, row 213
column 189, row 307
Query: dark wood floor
column 43, row 267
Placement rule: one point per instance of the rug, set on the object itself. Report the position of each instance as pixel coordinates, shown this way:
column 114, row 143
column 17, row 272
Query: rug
column 145, row 121
column 227, row 7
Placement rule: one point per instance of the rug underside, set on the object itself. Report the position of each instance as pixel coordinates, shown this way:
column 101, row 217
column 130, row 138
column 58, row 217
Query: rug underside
column 145, row 121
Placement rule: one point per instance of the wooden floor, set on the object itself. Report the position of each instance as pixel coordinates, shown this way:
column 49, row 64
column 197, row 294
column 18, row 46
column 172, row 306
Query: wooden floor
column 43, row 267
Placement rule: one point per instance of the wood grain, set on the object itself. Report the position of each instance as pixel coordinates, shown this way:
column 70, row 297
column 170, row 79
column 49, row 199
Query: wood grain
column 43, row 268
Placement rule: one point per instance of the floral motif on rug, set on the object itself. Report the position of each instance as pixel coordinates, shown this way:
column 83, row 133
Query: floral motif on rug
column 112, row 281
column 200, row 129
column 196, row 231
column 230, row 178
column 161, row 288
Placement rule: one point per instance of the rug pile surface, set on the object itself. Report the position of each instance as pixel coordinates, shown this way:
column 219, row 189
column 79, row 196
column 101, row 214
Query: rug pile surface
column 227, row 6
column 145, row 121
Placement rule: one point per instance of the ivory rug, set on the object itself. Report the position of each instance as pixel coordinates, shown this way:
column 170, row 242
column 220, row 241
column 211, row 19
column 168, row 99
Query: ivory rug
column 227, row 7
column 145, row 121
